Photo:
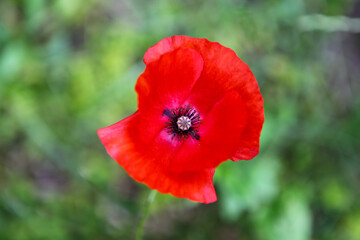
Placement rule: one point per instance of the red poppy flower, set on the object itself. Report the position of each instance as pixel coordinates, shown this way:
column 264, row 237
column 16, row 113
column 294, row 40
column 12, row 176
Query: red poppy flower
column 198, row 105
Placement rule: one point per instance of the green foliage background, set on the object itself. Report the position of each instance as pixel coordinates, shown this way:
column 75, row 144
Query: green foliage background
column 68, row 67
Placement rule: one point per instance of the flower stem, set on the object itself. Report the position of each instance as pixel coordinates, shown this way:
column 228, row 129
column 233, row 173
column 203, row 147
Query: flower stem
column 145, row 215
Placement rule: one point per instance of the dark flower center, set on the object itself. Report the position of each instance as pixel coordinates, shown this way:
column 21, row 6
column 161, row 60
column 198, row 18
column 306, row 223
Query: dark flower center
column 183, row 122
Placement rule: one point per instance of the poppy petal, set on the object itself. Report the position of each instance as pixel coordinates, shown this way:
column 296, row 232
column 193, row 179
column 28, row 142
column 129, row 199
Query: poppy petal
column 143, row 162
column 220, row 133
column 250, row 139
column 169, row 79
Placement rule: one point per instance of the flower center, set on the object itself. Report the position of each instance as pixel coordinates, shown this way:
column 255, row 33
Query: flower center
column 184, row 123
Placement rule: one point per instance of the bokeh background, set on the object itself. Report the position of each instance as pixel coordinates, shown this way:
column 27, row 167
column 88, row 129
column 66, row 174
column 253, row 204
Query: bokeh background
column 68, row 67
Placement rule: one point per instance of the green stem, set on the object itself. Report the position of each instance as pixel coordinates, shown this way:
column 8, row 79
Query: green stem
column 145, row 215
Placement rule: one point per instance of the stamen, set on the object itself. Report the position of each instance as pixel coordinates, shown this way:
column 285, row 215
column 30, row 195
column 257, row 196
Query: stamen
column 168, row 113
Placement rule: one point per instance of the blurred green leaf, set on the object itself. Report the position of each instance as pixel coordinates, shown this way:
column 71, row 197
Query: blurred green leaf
column 290, row 218
column 246, row 185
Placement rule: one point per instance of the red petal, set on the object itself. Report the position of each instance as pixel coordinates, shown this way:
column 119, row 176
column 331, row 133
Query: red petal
column 250, row 139
column 169, row 79
column 223, row 71
column 147, row 162
column 219, row 131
